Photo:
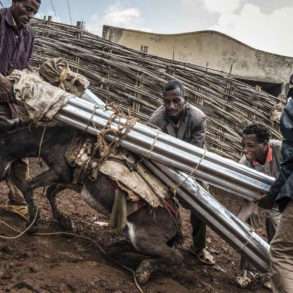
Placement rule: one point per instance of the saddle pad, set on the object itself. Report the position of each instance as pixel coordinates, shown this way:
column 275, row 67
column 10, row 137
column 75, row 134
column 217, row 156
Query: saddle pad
column 138, row 184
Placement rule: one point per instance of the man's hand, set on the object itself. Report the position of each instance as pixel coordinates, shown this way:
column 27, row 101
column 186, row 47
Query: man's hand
column 266, row 202
column 250, row 212
column 5, row 84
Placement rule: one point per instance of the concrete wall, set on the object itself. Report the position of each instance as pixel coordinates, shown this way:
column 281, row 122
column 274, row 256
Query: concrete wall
column 208, row 48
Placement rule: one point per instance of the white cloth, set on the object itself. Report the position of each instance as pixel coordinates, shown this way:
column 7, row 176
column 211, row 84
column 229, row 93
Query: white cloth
column 41, row 100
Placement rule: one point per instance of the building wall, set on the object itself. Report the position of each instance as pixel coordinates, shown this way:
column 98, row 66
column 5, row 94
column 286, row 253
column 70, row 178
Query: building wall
column 209, row 49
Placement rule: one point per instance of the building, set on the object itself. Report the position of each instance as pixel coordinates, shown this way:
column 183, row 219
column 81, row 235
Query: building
column 213, row 50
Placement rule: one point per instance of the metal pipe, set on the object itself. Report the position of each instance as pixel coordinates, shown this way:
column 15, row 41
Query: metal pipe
column 248, row 186
column 216, row 181
column 144, row 150
column 91, row 97
column 180, row 145
column 138, row 138
column 206, row 206
column 214, row 214
column 221, row 220
column 224, row 162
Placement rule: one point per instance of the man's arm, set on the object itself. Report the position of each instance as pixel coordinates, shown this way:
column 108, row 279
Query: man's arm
column 283, row 182
column 30, row 52
column 282, row 186
column 157, row 118
column 285, row 171
column 198, row 134
column 6, row 89
column 153, row 120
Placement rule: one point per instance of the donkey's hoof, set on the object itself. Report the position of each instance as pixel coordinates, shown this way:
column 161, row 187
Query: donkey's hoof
column 143, row 277
column 144, row 272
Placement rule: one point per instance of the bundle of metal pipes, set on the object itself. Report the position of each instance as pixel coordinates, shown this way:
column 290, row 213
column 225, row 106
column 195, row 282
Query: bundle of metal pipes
column 227, row 225
column 91, row 117
column 156, row 145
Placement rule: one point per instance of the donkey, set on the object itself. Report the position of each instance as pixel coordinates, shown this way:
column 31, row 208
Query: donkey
column 150, row 231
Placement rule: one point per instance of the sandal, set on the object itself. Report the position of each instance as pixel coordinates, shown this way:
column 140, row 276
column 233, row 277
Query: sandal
column 246, row 279
column 205, row 257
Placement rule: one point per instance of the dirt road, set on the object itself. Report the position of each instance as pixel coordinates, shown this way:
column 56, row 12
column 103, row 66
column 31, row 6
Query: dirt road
column 58, row 263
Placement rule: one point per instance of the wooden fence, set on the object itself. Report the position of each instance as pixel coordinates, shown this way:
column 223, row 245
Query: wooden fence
column 134, row 80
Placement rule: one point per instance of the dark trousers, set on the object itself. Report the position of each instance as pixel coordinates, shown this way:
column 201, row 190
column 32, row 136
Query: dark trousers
column 18, row 171
column 198, row 227
column 198, row 233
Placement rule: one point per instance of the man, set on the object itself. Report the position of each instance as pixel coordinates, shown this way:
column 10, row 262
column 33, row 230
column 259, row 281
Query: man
column 290, row 87
column 263, row 155
column 184, row 121
column 281, row 194
column 16, row 44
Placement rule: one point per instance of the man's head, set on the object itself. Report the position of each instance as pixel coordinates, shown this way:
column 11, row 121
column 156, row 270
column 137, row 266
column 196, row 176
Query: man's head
column 174, row 100
column 24, row 10
column 255, row 139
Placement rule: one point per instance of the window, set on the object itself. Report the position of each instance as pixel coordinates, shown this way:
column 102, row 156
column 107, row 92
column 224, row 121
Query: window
column 144, row 49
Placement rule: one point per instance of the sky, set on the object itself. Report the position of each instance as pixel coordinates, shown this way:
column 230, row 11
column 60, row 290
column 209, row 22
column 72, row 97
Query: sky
column 262, row 24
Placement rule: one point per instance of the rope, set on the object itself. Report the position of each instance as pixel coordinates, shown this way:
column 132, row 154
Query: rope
column 101, row 249
column 245, row 244
column 90, row 121
column 149, row 153
column 9, row 226
column 175, row 188
column 101, row 147
column 104, row 148
column 195, row 168
column 41, row 144
column 63, row 76
column 23, row 232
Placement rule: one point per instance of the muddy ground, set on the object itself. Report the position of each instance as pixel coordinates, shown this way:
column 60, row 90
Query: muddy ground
column 50, row 262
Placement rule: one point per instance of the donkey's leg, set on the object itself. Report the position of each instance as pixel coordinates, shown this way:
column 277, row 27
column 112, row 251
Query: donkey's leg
column 165, row 257
column 27, row 188
column 51, row 194
column 52, row 191
column 150, row 238
column 46, row 178
column 18, row 169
